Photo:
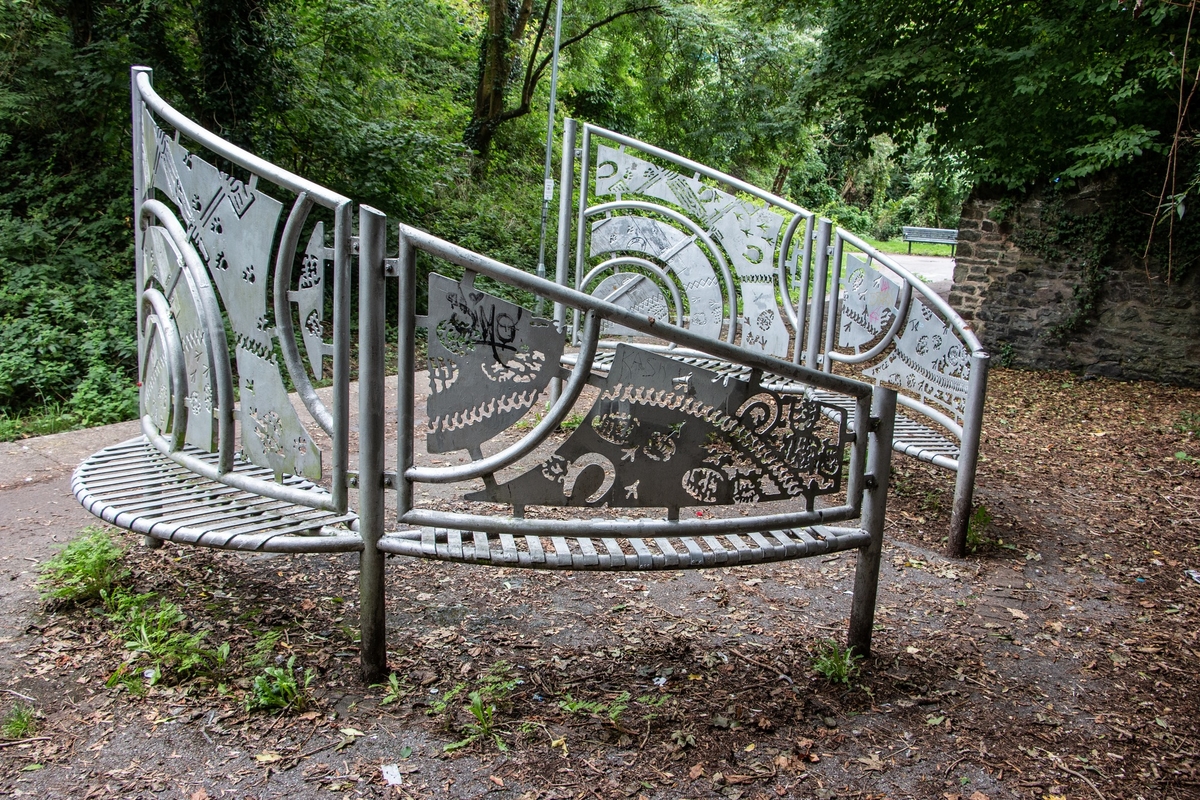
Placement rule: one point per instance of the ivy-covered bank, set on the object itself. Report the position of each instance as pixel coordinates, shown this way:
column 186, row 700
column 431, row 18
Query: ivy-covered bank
column 1056, row 279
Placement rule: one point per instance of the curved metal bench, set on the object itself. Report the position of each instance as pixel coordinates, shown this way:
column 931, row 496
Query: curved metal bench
column 737, row 456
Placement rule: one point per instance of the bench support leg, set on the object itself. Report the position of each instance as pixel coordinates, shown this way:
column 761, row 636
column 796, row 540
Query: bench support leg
column 968, row 457
column 371, row 320
column 866, row 574
column 151, row 542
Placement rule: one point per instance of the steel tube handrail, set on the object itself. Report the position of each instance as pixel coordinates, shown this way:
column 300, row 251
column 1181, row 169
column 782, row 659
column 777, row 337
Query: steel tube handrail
column 699, row 169
column 283, row 313
column 237, row 155
column 276, row 491
column 902, row 312
column 726, row 274
column 169, row 335
column 215, row 341
column 646, row 264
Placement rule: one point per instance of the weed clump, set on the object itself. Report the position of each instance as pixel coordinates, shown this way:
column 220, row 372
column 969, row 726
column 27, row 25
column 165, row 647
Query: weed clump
column 159, row 633
column 20, row 722
column 278, row 688
column 835, row 663
column 83, row 570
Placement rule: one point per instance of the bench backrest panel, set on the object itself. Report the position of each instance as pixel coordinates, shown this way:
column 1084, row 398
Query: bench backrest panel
column 216, row 252
column 726, row 255
column 746, row 267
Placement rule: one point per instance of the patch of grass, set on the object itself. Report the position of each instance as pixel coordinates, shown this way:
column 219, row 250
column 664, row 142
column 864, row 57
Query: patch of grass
column 529, row 421
column 20, row 722
column 158, row 633
column 898, row 245
column 52, row 418
column 980, row 519
column 571, row 423
column 1189, row 423
column 263, row 651
column 835, row 663
column 278, row 688
column 84, row 570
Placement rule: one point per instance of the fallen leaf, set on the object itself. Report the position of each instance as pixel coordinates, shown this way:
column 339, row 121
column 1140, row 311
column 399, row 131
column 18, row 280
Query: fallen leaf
column 496, row 780
column 1018, row 613
column 871, row 763
column 268, row 757
column 696, row 771
column 352, row 732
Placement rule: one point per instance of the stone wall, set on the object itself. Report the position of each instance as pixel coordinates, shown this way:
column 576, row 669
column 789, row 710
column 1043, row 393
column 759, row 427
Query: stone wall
column 1015, row 297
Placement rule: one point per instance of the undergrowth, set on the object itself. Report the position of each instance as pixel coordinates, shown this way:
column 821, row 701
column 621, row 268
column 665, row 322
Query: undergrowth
column 279, row 688
column 835, row 663
column 83, row 570
column 20, row 722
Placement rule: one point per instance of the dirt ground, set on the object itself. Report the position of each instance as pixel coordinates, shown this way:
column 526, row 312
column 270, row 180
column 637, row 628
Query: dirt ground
column 1058, row 661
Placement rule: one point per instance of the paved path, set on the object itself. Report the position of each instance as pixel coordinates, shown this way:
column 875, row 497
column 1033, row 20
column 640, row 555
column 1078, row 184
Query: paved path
column 939, row 271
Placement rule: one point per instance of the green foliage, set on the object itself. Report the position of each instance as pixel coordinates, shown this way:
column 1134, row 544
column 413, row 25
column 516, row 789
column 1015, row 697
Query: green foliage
column 1189, row 423
column 158, row 633
column 1034, row 91
column 20, row 722
column 977, row 525
column 278, row 688
column 263, row 651
column 84, row 570
column 835, row 663
column 611, row 710
column 483, row 704
column 395, row 692
column 571, row 423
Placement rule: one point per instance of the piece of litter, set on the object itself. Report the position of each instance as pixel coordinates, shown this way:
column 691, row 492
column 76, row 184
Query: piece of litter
column 392, row 774
column 1194, row 574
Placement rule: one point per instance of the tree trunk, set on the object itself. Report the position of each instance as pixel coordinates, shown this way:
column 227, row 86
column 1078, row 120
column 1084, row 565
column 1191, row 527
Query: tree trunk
column 498, row 53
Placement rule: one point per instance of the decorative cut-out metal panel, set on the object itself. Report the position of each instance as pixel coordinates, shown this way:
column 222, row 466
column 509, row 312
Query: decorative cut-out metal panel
column 275, row 438
column 679, row 252
column 870, row 302
column 489, row 361
column 232, row 226
column 162, row 264
column 928, row 360
column 747, row 233
column 666, row 434
column 309, row 297
column 635, row 293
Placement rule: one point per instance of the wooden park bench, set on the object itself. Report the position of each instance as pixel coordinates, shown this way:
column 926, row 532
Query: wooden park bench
column 246, row 277
column 930, row 236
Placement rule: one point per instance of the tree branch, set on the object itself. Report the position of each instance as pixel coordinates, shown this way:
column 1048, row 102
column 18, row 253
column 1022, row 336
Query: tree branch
column 530, row 82
column 537, row 74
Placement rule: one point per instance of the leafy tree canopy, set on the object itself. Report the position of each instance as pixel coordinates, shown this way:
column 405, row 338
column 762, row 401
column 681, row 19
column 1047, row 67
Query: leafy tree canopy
column 1025, row 90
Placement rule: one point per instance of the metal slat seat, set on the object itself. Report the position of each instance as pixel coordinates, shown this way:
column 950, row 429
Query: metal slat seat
column 132, row 485
column 623, row 554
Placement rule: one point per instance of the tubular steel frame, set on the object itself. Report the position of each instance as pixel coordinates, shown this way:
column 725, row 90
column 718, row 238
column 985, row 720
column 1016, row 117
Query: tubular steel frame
column 802, row 430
